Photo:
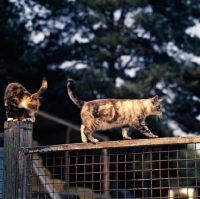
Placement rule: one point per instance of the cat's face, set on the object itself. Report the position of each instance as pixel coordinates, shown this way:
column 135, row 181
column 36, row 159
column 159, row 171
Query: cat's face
column 33, row 102
column 156, row 106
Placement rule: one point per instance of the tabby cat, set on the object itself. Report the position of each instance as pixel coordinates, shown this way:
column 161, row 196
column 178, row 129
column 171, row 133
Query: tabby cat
column 20, row 103
column 104, row 114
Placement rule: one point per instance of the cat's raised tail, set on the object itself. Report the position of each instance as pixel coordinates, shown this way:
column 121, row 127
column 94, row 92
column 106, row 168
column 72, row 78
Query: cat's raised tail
column 72, row 96
column 43, row 87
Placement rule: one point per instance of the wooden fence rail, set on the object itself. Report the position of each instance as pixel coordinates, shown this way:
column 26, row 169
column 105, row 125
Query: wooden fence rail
column 17, row 140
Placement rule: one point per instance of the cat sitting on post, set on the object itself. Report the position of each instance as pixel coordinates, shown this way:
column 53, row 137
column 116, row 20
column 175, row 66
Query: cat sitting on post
column 20, row 103
column 102, row 114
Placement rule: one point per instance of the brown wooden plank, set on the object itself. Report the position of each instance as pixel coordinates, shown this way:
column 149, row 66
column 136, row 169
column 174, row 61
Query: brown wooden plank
column 116, row 144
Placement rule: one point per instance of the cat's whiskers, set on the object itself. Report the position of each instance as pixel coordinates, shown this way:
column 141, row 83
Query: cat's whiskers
column 160, row 117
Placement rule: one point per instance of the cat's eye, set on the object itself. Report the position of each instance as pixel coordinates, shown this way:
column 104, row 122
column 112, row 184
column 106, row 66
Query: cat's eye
column 33, row 98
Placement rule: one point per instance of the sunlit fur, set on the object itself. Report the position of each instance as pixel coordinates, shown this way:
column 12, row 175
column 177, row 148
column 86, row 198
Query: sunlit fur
column 20, row 103
column 32, row 102
column 108, row 113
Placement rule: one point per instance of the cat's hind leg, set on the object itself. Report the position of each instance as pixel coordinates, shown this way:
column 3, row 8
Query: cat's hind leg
column 88, row 127
column 9, row 114
column 86, row 133
column 83, row 136
column 91, row 138
column 125, row 133
column 87, row 136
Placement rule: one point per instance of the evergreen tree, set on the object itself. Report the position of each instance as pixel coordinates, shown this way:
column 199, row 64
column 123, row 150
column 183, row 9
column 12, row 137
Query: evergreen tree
column 147, row 39
column 142, row 43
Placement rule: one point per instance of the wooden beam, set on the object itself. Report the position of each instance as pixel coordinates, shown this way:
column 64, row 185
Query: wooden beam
column 116, row 144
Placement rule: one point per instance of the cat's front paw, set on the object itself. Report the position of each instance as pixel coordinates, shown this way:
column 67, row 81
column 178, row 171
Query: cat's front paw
column 29, row 120
column 127, row 138
column 10, row 119
column 154, row 136
column 151, row 135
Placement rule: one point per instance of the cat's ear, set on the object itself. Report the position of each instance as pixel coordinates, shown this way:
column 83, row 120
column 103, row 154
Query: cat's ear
column 34, row 96
column 155, row 99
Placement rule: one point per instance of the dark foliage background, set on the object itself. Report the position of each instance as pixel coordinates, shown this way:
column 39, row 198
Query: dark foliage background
column 143, row 44
column 112, row 39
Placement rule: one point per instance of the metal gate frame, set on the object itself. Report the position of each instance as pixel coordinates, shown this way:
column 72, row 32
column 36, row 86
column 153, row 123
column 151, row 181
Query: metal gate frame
column 25, row 152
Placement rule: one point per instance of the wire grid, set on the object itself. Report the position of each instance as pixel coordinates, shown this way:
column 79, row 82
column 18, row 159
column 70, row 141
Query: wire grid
column 1, row 168
column 170, row 171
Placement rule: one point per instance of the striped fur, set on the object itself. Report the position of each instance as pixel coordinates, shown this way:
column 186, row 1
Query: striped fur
column 104, row 114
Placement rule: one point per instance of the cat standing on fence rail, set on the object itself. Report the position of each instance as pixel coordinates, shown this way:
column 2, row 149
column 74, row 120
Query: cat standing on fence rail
column 18, row 101
column 104, row 114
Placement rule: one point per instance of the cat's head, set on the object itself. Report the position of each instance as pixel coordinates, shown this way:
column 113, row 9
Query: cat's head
column 33, row 102
column 156, row 106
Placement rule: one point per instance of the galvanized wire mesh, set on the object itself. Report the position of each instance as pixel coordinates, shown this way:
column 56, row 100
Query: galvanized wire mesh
column 164, row 171
column 1, row 168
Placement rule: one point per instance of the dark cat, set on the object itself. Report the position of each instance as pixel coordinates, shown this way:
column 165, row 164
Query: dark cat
column 108, row 113
column 18, row 102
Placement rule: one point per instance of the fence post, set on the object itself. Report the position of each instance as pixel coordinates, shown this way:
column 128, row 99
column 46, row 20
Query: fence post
column 16, row 135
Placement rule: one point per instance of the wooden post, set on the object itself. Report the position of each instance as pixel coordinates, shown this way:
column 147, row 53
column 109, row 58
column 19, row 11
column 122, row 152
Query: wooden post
column 106, row 176
column 16, row 135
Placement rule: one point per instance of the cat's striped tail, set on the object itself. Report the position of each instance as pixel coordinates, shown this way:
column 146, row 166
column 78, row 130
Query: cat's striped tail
column 43, row 87
column 72, row 96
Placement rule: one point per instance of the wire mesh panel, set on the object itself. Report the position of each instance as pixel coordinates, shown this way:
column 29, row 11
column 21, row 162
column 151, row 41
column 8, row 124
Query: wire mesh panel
column 146, row 171
column 1, row 169
column 77, row 174
column 1, row 161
